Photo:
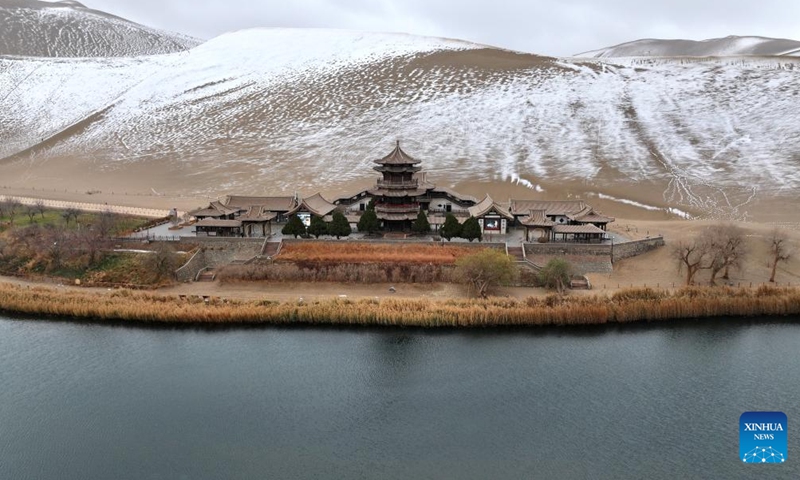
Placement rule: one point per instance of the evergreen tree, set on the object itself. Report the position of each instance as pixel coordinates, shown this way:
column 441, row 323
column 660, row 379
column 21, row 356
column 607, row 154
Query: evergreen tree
column 451, row 227
column 339, row 227
column 471, row 229
column 421, row 224
column 318, row 227
column 294, row 227
column 369, row 223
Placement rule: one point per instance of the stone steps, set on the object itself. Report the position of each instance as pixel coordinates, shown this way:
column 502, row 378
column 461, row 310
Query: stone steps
column 206, row 276
column 516, row 253
column 271, row 249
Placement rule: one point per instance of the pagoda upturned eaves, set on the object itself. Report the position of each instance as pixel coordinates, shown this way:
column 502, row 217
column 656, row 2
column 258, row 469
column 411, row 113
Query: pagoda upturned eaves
column 397, row 157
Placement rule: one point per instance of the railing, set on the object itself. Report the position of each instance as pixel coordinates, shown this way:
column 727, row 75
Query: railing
column 401, row 184
column 205, row 269
column 152, row 238
column 455, row 213
column 399, row 208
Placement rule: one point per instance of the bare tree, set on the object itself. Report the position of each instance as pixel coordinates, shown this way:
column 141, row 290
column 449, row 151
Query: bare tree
column 162, row 262
column 778, row 249
column 11, row 208
column 30, row 211
column 3, row 250
column 54, row 243
column 70, row 214
column 40, row 208
column 693, row 256
column 92, row 244
column 727, row 249
column 105, row 224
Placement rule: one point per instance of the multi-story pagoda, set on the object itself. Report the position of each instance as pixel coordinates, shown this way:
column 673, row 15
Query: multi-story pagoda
column 397, row 195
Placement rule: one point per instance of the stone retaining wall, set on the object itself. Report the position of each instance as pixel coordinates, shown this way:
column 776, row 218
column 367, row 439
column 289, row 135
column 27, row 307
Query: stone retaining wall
column 638, row 247
column 217, row 252
column 498, row 245
column 589, row 258
column 190, row 269
column 555, row 249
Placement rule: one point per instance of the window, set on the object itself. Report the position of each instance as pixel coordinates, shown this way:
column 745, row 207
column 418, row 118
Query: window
column 448, row 208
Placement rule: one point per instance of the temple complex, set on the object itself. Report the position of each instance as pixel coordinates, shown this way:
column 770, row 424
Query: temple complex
column 398, row 197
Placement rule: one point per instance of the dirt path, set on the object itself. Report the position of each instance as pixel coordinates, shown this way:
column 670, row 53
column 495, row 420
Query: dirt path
column 318, row 291
column 295, row 290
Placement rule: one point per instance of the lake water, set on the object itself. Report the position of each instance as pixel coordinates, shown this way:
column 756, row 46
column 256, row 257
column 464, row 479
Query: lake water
column 650, row 401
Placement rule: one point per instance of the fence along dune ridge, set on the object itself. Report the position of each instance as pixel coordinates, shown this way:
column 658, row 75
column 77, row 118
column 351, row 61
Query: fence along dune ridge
column 91, row 207
column 638, row 304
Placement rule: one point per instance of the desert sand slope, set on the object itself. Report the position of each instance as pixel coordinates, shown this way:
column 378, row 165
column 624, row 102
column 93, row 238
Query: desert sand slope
column 660, row 268
column 715, row 47
column 280, row 110
column 69, row 29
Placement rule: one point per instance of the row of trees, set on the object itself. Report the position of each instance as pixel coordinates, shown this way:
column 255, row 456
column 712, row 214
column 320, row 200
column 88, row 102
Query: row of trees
column 49, row 247
column 338, row 227
column 720, row 249
column 11, row 207
column 470, row 229
column 370, row 224
column 56, row 249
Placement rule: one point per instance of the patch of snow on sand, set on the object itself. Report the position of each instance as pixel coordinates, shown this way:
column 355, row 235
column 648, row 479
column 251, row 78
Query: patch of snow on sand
column 672, row 210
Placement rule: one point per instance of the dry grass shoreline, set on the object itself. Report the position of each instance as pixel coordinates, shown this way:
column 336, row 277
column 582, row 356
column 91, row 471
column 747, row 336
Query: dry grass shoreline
column 622, row 307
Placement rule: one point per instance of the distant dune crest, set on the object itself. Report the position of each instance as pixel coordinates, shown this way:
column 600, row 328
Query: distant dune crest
column 70, row 29
column 715, row 47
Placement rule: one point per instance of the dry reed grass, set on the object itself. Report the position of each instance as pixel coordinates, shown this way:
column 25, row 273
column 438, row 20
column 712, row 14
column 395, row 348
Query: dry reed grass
column 363, row 252
column 626, row 306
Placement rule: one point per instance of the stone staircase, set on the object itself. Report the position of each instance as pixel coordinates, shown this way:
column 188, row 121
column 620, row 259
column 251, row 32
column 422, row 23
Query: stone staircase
column 516, row 254
column 270, row 249
column 207, row 275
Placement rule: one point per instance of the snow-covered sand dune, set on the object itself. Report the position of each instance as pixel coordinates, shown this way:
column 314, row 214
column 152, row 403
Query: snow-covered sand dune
column 280, row 109
column 715, row 47
column 69, row 29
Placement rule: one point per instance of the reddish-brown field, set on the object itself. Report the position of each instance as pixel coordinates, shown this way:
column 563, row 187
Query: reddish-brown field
column 358, row 252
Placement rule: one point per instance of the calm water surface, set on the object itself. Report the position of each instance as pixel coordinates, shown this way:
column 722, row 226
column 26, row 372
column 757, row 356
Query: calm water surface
column 98, row 402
